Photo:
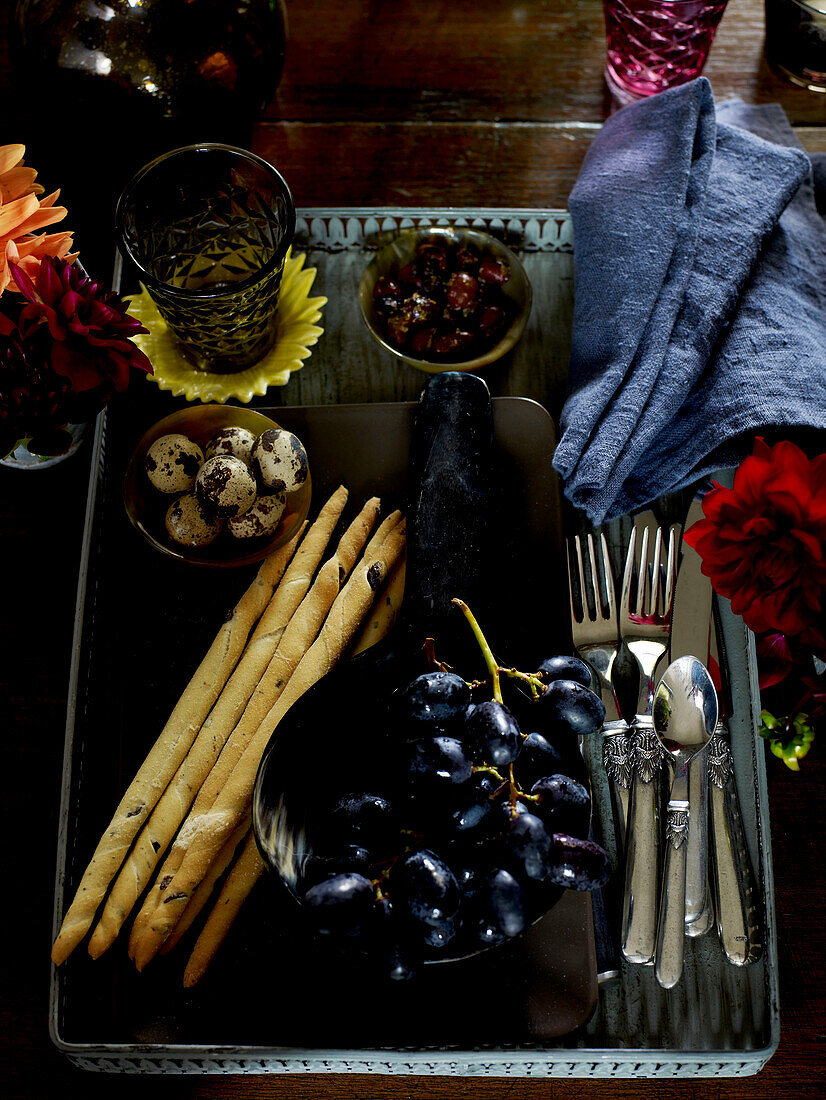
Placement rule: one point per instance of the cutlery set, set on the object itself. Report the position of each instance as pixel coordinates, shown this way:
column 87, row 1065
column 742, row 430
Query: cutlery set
column 682, row 856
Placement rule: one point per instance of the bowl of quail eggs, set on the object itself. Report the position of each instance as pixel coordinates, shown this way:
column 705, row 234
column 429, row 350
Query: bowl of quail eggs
column 217, row 485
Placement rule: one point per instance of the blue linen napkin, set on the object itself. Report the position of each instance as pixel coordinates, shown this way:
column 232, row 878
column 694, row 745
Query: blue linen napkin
column 700, row 303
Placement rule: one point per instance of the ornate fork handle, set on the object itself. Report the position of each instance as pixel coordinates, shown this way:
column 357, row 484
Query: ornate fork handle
column 618, row 761
column 735, row 890
column 617, row 744
column 642, row 860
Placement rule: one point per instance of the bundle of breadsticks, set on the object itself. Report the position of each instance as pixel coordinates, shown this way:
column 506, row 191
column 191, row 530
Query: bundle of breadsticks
column 190, row 803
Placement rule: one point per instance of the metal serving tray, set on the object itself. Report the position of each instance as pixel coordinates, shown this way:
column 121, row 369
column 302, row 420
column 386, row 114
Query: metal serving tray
column 719, row 1020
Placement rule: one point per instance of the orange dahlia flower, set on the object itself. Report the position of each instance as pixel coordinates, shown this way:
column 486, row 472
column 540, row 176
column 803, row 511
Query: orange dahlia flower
column 22, row 214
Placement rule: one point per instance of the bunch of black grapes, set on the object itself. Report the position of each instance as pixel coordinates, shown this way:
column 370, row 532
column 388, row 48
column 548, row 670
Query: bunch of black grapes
column 480, row 825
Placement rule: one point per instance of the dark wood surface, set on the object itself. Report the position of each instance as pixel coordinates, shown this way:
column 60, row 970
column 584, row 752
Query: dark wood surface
column 474, row 102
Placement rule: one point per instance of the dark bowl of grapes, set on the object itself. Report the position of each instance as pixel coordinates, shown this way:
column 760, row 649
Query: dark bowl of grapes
column 422, row 802
column 445, row 298
column 440, row 820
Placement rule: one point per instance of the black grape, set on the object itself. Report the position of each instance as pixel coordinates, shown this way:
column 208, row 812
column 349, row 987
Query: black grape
column 426, row 887
column 578, row 864
column 434, row 698
column 475, row 807
column 564, row 668
column 340, row 905
column 564, row 804
column 568, row 704
column 390, row 943
column 497, row 909
column 438, row 934
column 527, row 847
column 364, row 819
column 537, row 758
column 348, row 857
column 493, row 733
column 508, row 810
column 437, row 764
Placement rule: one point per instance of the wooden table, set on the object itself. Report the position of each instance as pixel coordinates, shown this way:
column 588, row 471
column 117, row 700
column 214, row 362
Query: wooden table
column 470, row 102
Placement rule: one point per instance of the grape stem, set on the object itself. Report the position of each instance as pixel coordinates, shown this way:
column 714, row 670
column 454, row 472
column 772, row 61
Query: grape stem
column 494, row 669
column 490, row 660
column 488, row 770
column 533, row 681
column 429, row 648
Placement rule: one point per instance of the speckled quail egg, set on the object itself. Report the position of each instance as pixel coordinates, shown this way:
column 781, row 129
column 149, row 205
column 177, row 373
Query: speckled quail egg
column 189, row 524
column 279, row 461
column 261, row 520
column 225, row 486
column 172, row 463
column 232, row 441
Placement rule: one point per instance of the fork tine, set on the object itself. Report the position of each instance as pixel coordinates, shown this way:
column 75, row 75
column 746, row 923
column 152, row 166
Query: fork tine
column 653, row 605
column 595, row 585
column 670, row 570
column 586, row 610
column 609, row 581
column 627, row 574
column 575, row 618
column 642, row 575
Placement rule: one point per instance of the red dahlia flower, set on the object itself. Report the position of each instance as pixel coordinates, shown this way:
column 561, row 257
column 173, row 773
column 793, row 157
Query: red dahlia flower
column 763, row 542
column 89, row 326
column 775, row 659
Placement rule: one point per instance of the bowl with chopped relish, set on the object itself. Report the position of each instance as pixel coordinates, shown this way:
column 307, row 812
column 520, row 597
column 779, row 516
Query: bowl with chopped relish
column 443, row 298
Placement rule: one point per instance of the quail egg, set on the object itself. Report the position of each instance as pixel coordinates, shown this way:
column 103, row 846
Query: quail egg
column 261, row 520
column 225, row 486
column 172, row 463
column 232, row 441
column 279, row 461
column 189, row 524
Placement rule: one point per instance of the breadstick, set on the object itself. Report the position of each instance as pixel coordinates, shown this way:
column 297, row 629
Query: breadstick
column 247, row 870
column 297, row 579
column 168, row 751
column 173, row 805
column 143, row 942
column 347, row 612
column 385, row 612
column 202, row 894
column 297, row 638
column 299, row 634
column 294, row 643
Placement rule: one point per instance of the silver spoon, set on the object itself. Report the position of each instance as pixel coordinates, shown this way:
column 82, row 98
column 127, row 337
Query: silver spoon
column 685, row 715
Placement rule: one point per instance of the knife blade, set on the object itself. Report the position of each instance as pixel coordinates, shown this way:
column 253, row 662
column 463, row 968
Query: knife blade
column 736, row 898
column 690, row 636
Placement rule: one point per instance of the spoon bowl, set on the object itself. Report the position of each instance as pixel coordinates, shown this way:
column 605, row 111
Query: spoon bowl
column 685, row 716
column 685, row 708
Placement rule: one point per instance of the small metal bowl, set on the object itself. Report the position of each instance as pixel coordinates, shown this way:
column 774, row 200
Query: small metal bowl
column 146, row 507
column 401, row 250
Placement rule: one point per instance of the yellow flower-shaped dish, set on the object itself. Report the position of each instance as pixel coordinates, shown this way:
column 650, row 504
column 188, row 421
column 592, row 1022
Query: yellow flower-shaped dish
column 298, row 330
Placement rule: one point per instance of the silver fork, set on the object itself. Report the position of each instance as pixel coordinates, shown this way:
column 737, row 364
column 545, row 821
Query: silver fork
column 596, row 639
column 645, row 625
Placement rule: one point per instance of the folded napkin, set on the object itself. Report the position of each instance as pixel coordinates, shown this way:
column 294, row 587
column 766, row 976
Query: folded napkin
column 700, row 303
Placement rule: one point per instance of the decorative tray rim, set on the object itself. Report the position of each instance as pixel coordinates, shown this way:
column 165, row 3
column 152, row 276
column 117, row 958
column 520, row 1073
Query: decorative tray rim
column 340, row 225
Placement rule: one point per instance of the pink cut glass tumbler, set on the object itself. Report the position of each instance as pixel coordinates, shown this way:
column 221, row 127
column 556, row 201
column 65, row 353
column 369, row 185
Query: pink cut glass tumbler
column 657, row 44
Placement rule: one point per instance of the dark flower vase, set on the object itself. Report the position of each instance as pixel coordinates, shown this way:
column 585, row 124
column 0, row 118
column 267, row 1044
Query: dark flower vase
column 116, row 84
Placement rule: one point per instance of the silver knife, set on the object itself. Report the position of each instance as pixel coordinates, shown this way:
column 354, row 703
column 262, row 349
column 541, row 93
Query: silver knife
column 690, row 636
column 736, row 898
